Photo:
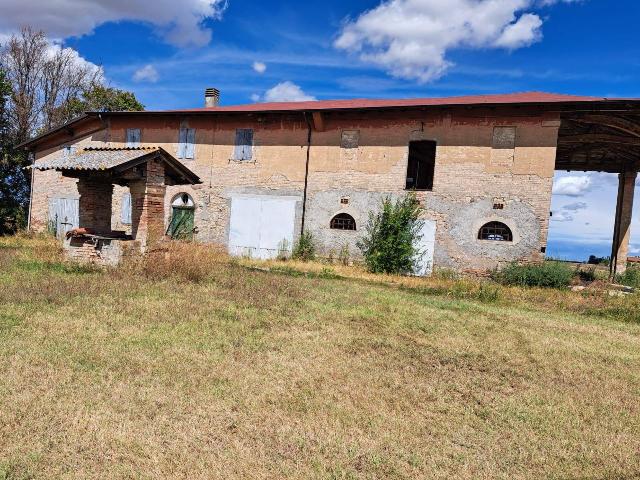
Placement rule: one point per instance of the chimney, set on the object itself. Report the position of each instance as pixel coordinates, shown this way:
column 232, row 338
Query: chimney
column 211, row 97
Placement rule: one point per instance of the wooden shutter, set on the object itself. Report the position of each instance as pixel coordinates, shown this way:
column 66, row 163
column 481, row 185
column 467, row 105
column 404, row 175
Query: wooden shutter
column 133, row 137
column 125, row 209
column 190, row 144
column 182, row 142
column 244, row 144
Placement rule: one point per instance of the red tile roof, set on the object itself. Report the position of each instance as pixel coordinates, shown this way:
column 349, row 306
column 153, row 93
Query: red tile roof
column 511, row 98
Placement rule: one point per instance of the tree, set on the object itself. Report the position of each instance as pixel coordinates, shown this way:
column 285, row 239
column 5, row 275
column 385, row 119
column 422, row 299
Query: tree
column 391, row 236
column 14, row 180
column 100, row 98
column 42, row 85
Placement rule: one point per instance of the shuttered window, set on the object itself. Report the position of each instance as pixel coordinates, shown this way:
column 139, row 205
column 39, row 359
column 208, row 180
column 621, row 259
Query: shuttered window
column 133, row 137
column 125, row 209
column 244, row 144
column 187, row 143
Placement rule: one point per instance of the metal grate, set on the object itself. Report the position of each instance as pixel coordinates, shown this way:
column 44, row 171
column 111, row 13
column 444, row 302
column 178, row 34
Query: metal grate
column 495, row 231
column 343, row 221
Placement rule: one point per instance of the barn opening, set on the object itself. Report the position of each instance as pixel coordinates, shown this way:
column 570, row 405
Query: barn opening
column 421, row 165
column 343, row 221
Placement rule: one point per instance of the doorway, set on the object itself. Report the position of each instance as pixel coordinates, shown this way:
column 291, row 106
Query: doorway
column 182, row 224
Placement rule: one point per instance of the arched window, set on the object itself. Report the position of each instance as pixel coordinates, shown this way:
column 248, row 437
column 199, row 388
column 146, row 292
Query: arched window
column 495, row 231
column 343, row 221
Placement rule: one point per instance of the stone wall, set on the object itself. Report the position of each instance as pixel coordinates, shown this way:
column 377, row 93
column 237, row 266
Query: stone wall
column 470, row 175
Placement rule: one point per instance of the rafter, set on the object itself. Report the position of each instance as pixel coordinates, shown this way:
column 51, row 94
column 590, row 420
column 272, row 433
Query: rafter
column 599, row 138
column 619, row 123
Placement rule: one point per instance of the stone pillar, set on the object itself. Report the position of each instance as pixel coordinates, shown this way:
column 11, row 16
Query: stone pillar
column 622, row 227
column 147, row 205
column 96, row 195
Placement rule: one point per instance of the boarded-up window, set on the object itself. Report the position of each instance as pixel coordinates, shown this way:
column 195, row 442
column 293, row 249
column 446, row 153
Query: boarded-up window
column 244, row 144
column 133, row 137
column 504, row 138
column 187, row 141
column 350, row 139
column 125, row 209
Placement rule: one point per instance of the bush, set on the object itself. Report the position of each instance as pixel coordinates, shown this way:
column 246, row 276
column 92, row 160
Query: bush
column 305, row 249
column 587, row 275
column 391, row 234
column 547, row 274
column 630, row 278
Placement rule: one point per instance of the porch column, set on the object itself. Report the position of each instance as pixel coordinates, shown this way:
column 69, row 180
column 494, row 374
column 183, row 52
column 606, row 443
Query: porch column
column 96, row 195
column 147, row 205
column 622, row 227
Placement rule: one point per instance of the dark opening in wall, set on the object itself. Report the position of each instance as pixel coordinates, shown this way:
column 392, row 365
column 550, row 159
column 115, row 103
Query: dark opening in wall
column 496, row 231
column 343, row 221
column 421, row 167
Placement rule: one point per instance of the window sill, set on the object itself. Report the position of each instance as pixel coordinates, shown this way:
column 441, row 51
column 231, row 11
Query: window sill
column 233, row 160
column 418, row 190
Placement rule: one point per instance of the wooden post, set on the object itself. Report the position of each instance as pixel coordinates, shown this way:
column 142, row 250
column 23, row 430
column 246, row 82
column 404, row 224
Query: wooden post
column 622, row 226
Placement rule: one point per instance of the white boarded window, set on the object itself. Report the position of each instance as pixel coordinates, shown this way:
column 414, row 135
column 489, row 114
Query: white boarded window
column 133, row 137
column 125, row 209
column 187, row 143
column 243, row 149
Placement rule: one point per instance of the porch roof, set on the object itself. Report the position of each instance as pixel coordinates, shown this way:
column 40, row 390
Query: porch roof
column 117, row 161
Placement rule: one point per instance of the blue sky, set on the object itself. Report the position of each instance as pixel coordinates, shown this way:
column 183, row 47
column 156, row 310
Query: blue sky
column 167, row 52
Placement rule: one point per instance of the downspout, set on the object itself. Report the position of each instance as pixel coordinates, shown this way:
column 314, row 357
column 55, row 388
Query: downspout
column 33, row 176
column 306, row 172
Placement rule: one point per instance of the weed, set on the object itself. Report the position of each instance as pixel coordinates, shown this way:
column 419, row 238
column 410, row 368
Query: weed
column 548, row 274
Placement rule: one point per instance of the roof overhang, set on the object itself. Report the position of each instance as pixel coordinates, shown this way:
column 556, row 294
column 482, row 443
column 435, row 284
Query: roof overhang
column 116, row 162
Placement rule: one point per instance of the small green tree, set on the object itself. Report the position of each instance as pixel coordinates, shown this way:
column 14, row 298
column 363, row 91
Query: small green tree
column 391, row 236
column 305, row 248
column 100, row 98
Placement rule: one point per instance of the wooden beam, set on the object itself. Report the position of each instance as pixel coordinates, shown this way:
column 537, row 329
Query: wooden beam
column 622, row 124
column 318, row 121
column 599, row 138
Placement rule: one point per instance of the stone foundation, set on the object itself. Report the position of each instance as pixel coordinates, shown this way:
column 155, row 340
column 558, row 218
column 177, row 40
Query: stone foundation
column 101, row 252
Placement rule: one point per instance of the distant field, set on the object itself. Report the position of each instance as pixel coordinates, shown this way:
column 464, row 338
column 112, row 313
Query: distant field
column 202, row 367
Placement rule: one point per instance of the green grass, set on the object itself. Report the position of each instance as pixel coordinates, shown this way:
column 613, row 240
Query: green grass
column 173, row 370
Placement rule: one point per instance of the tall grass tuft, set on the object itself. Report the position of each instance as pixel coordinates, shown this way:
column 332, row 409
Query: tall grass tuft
column 548, row 274
column 305, row 248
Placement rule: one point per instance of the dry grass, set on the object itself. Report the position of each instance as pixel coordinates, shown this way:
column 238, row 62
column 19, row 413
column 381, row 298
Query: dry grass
column 202, row 368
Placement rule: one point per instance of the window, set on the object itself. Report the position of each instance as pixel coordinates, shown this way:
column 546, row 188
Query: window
column 421, row 165
column 244, row 144
column 350, row 139
column 186, row 143
column 133, row 137
column 495, row 231
column 125, row 209
column 343, row 221
column 68, row 150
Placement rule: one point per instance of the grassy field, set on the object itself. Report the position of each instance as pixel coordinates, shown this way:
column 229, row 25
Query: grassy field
column 202, row 367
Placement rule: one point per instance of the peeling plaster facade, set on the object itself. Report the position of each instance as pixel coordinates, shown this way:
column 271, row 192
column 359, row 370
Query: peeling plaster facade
column 470, row 175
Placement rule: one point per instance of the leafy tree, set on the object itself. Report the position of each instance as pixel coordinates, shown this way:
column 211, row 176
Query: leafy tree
column 100, row 98
column 14, row 180
column 392, row 233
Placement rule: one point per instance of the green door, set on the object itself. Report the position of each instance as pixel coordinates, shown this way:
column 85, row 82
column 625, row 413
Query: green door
column 182, row 223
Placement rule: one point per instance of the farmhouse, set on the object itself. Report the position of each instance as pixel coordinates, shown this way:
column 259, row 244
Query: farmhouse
column 253, row 177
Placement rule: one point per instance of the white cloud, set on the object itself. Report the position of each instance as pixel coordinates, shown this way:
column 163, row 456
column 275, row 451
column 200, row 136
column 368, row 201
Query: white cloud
column 410, row 38
column 148, row 73
column 283, row 92
column 55, row 48
column 572, row 186
column 574, row 207
column 179, row 23
column 260, row 67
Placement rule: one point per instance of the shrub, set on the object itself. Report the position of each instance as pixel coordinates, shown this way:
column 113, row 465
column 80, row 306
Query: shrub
column 305, row 249
column 391, row 234
column 586, row 275
column 630, row 278
column 548, row 274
